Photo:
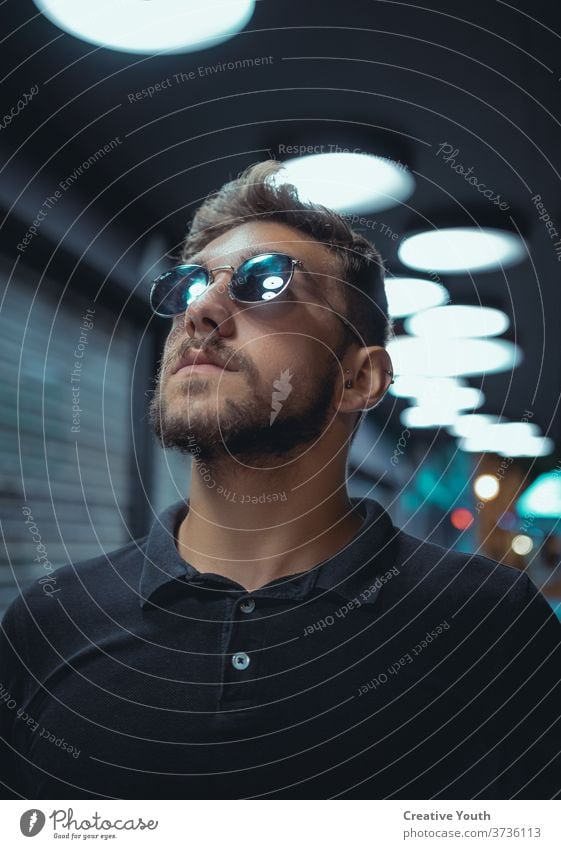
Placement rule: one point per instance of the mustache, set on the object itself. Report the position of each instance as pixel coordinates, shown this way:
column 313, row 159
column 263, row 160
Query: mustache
column 222, row 353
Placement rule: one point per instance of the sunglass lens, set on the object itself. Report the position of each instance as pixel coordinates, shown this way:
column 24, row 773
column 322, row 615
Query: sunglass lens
column 262, row 278
column 173, row 291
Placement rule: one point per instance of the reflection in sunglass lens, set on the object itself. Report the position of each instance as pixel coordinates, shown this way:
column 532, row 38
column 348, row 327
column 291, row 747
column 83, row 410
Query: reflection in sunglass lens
column 173, row 291
column 262, row 278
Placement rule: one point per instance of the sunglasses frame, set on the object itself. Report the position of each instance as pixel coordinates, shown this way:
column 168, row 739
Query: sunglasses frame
column 296, row 263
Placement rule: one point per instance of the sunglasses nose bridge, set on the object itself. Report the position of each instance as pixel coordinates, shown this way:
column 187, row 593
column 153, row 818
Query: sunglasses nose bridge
column 219, row 268
column 211, row 271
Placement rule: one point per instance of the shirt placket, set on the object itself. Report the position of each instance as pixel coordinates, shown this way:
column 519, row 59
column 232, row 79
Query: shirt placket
column 242, row 643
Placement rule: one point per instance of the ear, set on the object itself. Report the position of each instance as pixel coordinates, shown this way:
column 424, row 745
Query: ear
column 369, row 371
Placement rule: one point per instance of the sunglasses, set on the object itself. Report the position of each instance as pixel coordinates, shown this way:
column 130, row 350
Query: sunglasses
column 257, row 280
column 260, row 278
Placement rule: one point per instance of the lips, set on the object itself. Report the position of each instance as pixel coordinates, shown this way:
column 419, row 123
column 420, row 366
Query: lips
column 198, row 358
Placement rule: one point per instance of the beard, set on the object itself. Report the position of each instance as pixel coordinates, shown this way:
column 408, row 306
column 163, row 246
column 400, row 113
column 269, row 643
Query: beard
column 243, row 428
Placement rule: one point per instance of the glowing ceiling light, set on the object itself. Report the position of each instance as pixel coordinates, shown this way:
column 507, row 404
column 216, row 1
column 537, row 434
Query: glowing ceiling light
column 458, row 320
column 531, row 446
column 469, row 425
column 522, row 544
column 429, row 416
column 449, row 392
column 543, row 497
column 169, row 26
column 452, row 357
column 408, row 295
column 348, row 182
column 509, row 439
column 413, row 385
column 486, row 487
column 458, row 250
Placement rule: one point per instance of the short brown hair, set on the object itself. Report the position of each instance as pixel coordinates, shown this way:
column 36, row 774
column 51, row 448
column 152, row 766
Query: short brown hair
column 255, row 196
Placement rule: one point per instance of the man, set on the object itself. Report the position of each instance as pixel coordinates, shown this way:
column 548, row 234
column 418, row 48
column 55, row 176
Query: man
column 272, row 637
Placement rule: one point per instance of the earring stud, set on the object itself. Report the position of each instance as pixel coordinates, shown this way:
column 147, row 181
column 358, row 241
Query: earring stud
column 349, row 383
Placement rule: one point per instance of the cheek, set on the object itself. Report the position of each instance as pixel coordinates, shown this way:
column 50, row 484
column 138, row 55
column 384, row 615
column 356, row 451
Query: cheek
column 175, row 337
column 290, row 357
column 177, row 331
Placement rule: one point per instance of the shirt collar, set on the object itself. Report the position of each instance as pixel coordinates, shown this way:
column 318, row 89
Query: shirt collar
column 356, row 571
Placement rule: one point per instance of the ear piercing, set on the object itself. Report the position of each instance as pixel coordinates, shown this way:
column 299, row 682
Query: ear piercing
column 349, row 383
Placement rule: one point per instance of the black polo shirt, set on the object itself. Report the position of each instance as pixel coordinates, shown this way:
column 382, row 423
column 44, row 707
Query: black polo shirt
column 394, row 669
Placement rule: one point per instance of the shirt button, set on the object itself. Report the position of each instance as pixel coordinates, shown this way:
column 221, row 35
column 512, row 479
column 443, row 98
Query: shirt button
column 240, row 660
column 247, row 605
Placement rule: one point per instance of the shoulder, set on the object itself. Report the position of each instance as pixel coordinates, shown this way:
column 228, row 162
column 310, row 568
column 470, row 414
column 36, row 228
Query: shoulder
column 74, row 582
column 489, row 604
column 432, row 569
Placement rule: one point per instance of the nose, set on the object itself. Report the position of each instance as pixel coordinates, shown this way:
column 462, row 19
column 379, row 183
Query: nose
column 211, row 312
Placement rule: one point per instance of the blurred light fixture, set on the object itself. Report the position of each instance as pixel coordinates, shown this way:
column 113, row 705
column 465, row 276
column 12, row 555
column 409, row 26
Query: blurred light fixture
column 459, row 397
column 458, row 320
column 469, row 425
column 461, row 518
column 429, row 415
column 168, row 26
column 522, row 544
column 348, row 182
column 531, row 446
column 486, row 487
column 442, row 391
column 414, row 385
column 508, row 439
column 543, row 497
column 452, row 357
column 459, row 250
column 507, row 521
column 408, row 295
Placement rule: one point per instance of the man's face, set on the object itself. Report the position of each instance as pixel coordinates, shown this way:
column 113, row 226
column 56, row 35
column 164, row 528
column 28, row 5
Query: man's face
column 277, row 395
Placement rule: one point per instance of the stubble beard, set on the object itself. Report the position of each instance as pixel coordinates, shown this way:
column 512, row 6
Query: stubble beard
column 241, row 428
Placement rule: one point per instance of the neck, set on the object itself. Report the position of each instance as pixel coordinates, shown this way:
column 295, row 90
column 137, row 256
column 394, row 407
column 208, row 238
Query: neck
column 255, row 525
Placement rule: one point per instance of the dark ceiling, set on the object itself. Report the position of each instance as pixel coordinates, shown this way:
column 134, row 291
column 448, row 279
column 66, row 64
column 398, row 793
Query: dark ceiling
column 398, row 77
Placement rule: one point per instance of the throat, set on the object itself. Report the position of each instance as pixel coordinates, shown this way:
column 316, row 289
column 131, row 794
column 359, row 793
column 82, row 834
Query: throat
column 256, row 558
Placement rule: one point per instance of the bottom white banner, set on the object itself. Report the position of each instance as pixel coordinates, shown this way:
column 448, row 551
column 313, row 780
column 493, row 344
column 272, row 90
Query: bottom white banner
column 296, row 823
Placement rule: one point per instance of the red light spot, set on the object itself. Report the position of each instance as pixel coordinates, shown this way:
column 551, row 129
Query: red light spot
column 461, row 518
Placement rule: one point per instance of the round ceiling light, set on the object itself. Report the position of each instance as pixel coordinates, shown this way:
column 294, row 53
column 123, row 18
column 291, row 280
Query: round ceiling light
column 509, row 439
column 348, row 182
column 452, row 357
column 168, row 26
column 429, row 416
column 459, row 250
column 415, row 385
column 409, row 295
column 437, row 390
column 531, row 446
column 458, row 320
